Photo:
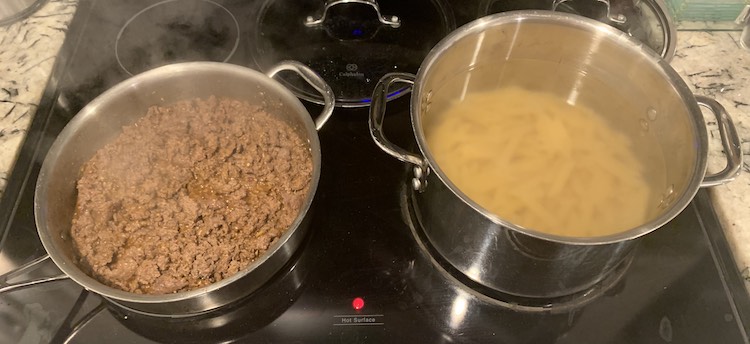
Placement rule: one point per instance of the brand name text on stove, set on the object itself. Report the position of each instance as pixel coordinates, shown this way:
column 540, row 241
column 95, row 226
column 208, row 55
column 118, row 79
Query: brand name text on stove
column 357, row 320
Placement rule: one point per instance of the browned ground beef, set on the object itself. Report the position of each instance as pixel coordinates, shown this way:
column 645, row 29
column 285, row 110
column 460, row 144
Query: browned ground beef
column 188, row 195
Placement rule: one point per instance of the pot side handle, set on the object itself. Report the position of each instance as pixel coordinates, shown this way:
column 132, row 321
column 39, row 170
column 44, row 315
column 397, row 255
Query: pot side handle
column 377, row 114
column 730, row 141
column 30, row 266
column 315, row 81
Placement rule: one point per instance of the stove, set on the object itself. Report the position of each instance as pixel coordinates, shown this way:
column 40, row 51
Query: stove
column 364, row 273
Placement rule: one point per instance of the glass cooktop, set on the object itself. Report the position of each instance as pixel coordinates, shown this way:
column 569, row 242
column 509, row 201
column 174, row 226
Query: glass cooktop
column 363, row 274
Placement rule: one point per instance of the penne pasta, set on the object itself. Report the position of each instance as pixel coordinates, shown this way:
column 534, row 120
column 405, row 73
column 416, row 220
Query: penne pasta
column 539, row 162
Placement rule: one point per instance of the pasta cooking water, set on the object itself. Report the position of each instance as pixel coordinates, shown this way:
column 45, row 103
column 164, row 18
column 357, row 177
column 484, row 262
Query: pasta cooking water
column 536, row 161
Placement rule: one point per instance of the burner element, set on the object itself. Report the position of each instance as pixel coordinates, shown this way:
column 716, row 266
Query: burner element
column 177, row 31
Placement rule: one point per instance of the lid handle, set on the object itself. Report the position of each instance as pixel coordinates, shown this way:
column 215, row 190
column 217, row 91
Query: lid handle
column 742, row 19
column 392, row 21
column 618, row 18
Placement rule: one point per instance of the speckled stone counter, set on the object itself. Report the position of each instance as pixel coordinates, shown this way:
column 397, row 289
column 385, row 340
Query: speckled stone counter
column 712, row 63
column 27, row 54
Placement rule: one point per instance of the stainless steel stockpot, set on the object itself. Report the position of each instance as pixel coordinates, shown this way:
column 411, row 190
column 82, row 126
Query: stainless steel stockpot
column 102, row 120
column 571, row 56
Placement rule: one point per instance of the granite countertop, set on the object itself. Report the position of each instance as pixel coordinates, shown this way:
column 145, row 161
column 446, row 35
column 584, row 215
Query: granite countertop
column 712, row 63
column 28, row 53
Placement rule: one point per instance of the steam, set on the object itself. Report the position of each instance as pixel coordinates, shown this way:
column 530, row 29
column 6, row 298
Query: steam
column 177, row 31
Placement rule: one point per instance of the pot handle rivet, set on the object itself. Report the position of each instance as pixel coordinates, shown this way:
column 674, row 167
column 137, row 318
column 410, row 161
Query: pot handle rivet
column 315, row 81
column 615, row 18
column 730, row 141
column 416, row 184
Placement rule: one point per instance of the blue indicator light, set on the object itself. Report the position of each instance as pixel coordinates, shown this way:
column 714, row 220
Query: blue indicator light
column 389, row 96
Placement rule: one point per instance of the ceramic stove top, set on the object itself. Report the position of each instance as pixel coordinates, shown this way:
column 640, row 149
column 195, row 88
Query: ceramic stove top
column 363, row 274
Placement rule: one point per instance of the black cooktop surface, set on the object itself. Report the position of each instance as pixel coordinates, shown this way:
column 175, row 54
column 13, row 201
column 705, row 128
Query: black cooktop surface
column 363, row 275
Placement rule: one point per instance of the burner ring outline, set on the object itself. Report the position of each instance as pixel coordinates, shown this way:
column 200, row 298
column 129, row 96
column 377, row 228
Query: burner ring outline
column 127, row 23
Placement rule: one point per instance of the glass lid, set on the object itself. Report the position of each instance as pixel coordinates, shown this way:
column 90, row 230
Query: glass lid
column 350, row 43
column 645, row 20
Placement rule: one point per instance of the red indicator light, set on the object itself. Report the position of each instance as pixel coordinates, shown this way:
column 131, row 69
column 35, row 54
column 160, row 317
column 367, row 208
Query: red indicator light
column 358, row 303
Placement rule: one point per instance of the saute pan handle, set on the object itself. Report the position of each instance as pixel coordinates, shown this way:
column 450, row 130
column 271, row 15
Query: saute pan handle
column 315, row 81
column 729, row 140
column 377, row 114
column 30, row 266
